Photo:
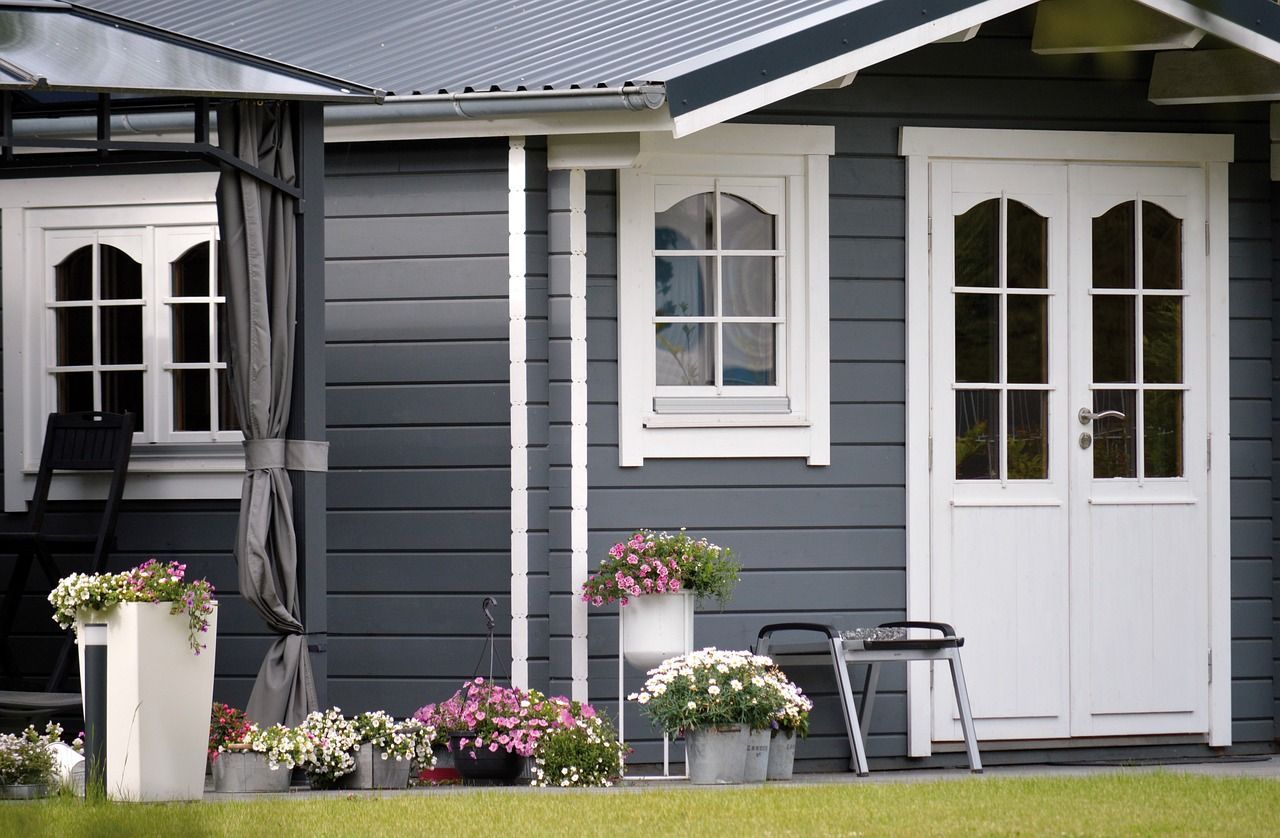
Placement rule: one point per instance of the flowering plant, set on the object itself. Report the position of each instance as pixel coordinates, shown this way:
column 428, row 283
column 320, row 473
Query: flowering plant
column 793, row 714
column 710, row 687
column 282, row 746
column 380, row 730
column 151, row 581
column 657, row 563
column 582, row 750
column 27, row 758
column 227, row 726
column 421, row 738
column 500, row 718
column 443, row 718
column 329, row 752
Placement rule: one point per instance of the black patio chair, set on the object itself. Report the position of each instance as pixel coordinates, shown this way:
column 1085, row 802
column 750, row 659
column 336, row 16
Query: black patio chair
column 73, row 443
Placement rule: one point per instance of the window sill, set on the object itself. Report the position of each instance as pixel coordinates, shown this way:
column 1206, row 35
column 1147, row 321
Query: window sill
column 704, row 420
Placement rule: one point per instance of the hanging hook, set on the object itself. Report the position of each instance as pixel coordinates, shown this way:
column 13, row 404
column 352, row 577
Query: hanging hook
column 486, row 607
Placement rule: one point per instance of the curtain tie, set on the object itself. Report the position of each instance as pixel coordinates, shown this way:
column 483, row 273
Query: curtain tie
column 292, row 454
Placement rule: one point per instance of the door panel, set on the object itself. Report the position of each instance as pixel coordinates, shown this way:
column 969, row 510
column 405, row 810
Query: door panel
column 1000, row 446
column 1139, row 556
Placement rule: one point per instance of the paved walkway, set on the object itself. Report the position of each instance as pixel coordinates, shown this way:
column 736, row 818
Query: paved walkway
column 1265, row 767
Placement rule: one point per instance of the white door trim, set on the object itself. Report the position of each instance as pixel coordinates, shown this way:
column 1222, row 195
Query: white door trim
column 1213, row 152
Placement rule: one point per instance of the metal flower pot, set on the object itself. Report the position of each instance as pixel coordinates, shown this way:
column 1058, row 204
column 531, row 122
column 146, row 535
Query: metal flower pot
column 247, row 772
column 757, row 763
column 374, row 772
column 24, row 791
column 782, row 755
column 656, row 627
column 480, row 765
column 716, row 755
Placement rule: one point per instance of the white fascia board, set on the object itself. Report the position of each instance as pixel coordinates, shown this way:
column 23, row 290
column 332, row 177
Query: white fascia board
column 1241, row 36
column 851, row 62
column 598, row 122
column 1096, row 146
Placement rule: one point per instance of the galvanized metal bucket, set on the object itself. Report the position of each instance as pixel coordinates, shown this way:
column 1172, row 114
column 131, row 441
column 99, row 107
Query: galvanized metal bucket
column 246, row 771
column 782, row 755
column 717, row 755
column 374, row 772
column 757, row 762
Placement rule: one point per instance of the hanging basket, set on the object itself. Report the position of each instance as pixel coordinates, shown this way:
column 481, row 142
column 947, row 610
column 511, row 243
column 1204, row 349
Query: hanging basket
column 656, row 627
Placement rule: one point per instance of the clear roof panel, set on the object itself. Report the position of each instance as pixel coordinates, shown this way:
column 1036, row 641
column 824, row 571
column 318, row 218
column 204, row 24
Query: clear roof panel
column 57, row 49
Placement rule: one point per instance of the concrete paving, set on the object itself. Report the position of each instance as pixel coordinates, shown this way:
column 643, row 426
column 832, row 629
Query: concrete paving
column 1262, row 767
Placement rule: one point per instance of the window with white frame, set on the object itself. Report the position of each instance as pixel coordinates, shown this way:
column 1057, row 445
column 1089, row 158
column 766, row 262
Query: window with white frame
column 723, row 348
column 112, row 302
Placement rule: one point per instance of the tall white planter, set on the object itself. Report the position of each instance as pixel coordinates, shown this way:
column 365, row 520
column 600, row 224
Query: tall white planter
column 656, row 627
column 158, row 697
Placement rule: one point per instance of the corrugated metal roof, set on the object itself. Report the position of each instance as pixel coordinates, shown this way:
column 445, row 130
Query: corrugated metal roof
column 432, row 46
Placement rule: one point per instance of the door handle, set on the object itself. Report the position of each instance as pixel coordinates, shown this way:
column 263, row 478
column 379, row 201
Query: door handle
column 1086, row 415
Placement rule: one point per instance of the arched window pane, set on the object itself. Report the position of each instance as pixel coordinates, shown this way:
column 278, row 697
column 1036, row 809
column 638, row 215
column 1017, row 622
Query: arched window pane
column 1113, row 256
column 1161, row 248
column 687, row 225
column 190, row 272
column 121, row 275
column 1028, row 255
column 745, row 226
column 978, row 246
column 73, row 276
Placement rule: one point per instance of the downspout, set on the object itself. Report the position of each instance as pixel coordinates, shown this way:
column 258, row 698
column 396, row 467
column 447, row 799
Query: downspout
column 417, row 108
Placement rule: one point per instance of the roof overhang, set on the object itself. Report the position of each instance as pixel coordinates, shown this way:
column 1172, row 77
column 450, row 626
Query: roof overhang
column 757, row 74
column 49, row 46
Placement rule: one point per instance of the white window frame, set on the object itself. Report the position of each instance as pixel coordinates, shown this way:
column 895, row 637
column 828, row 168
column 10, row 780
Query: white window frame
column 790, row 418
column 164, row 465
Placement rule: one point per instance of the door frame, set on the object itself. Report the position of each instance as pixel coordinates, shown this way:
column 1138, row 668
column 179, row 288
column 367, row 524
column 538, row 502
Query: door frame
column 1211, row 152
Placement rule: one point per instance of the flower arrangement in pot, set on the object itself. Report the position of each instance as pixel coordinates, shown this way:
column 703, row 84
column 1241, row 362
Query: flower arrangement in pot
column 386, row 749
column 435, row 762
column 501, row 726
column 158, row 624
column 228, row 729
column 580, row 749
column 27, row 762
column 791, row 720
column 716, row 698
column 657, row 576
column 329, row 747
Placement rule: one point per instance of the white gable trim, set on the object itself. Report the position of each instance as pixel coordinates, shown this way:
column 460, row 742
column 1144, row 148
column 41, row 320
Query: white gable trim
column 1193, row 15
column 834, row 68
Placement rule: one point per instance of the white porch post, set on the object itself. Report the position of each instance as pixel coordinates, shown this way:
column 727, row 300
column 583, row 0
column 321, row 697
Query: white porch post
column 516, row 337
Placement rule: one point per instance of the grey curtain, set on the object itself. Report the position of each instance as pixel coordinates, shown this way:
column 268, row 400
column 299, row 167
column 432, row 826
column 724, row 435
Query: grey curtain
column 259, row 274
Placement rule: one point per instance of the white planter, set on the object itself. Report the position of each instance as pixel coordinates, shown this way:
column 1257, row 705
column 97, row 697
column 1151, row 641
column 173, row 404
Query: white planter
column 158, row 697
column 656, row 627
column 757, row 765
column 782, row 755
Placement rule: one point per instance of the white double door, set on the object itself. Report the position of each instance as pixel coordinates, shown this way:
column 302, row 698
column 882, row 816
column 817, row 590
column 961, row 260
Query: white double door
column 1069, row 531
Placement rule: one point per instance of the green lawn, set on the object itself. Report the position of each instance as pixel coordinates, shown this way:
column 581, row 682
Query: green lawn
column 1111, row 804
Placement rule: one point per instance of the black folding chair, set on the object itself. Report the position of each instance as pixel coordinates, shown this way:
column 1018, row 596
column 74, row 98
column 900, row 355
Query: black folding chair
column 73, row 442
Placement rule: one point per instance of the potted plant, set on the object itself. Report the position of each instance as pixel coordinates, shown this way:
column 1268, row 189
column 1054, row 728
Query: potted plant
column 502, row 726
column 441, row 719
column 657, row 577
column 581, row 749
column 262, row 761
column 159, row 673
column 228, row 726
column 27, row 765
column 328, row 747
column 715, row 698
column 385, row 751
column 790, row 721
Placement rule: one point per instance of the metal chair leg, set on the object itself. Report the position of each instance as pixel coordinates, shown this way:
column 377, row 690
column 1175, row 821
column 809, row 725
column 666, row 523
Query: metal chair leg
column 966, row 714
column 857, row 747
column 869, row 697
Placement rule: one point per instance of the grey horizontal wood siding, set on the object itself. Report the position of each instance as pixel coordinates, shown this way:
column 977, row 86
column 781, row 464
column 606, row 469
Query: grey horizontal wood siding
column 417, row 398
column 828, row 544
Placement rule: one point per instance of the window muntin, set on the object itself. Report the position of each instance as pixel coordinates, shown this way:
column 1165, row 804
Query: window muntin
column 719, row 274
column 133, row 323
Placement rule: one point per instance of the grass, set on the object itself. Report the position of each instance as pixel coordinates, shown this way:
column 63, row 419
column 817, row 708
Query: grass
column 1098, row 805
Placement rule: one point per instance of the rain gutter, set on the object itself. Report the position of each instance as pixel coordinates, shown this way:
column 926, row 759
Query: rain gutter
column 417, row 108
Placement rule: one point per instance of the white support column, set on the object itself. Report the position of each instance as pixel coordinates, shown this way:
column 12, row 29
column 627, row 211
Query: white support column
column 516, row 338
column 578, row 426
